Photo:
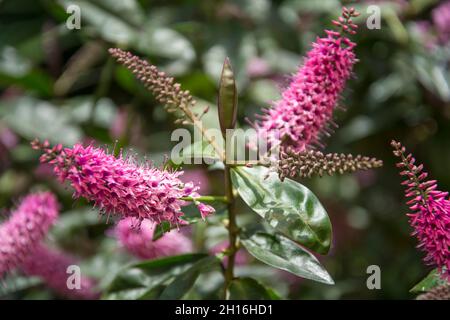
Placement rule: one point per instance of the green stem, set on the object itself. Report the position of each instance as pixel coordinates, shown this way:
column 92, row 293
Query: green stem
column 206, row 199
column 233, row 231
column 248, row 164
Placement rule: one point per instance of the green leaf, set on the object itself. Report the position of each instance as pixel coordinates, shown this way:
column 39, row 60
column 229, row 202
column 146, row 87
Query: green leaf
column 233, row 42
column 144, row 279
column 33, row 118
column 191, row 216
column 227, row 100
column 19, row 71
column 124, row 23
column 287, row 206
column 168, row 43
column 114, row 21
column 184, row 282
column 152, row 293
column 282, row 253
column 250, row 289
column 432, row 280
column 160, row 229
column 12, row 284
column 196, row 153
column 433, row 74
column 72, row 222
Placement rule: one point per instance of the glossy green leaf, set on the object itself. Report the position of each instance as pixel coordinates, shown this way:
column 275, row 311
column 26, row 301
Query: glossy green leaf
column 144, row 279
column 432, row 280
column 287, row 206
column 250, row 289
column 227, row 100
column 282, row 253
column 184, row 282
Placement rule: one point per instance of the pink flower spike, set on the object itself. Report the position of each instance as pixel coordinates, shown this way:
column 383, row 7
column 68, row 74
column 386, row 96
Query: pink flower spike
column 305, row 110
column 51, row 266
column 138, row 240
column 26, row 227
column 119, row 185
column 430, row 213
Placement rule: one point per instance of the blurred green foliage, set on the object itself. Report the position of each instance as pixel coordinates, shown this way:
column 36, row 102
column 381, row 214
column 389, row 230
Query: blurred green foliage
column 60, row 84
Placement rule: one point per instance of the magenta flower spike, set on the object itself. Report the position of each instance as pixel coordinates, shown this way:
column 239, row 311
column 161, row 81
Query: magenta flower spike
column 120, row 186
column 26, row 227
column 51, row 266
column 306, row 107
column 430, row 211
column 139, row 241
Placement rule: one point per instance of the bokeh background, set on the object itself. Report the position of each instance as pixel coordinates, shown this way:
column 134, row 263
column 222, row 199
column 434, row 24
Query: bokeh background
column 61, row 85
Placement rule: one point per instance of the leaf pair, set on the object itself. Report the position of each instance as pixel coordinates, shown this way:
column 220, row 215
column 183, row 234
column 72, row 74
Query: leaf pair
column 292, row 210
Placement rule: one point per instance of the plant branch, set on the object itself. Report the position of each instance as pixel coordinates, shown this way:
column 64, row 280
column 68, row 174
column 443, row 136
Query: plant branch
column 233, row 231
column 166, row 91
column 206, row 199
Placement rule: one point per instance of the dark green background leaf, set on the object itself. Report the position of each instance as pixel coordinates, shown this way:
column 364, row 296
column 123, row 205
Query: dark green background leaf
column 146, row 279
column 250, row 289
column 184, row 282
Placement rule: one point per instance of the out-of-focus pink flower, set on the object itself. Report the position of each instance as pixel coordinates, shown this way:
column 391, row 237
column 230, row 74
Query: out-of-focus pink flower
column 199, row 178
column 430, row 211
column 441, row 20
column 26, row 227
column 119, row 185
column 44, row 170
column 8, row 138
column 119, row 124
column 306, row 107
column 257, row 67
column 293, row 281
column 205, row 210
column 423, row 29
column 241, row 258
column 51, row 266
column 366, row 178
column 139, row 241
